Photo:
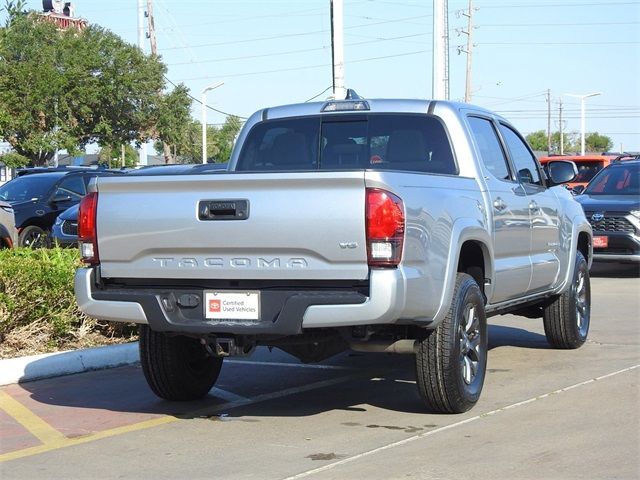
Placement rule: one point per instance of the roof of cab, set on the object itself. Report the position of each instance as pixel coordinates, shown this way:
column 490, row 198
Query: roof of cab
column 377, row 105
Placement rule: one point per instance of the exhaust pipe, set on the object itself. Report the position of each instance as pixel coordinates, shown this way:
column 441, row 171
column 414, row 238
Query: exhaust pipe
column 406, row 346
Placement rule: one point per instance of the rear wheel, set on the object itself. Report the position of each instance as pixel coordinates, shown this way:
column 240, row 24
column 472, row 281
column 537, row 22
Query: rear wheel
column 567, row 317
column 452, row 359
column 177, row 367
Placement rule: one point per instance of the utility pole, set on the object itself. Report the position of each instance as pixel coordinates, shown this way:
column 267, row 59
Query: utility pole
column 152, row 28
column 561, row 127
column 468, row 49
column 440, row 87
column 548, row 121
column 337, row 49
column 469, row 32
column 142, row 151
column 166, row 149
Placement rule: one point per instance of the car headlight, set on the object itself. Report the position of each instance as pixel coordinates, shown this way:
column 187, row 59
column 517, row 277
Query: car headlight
column 635, row 213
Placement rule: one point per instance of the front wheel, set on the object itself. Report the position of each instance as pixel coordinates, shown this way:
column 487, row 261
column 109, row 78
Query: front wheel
column 33, row 236
column 567, row 317
column 452, row 359
column 177, row 367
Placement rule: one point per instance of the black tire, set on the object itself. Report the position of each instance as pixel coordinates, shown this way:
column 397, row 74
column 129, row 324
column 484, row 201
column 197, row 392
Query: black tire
column 177, row 367
column 567, row 317
column 33, row 236
column 451, row 360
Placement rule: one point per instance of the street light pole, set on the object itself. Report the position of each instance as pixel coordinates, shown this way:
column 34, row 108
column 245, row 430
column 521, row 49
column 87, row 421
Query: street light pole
column 582, row 99
column 204, row 118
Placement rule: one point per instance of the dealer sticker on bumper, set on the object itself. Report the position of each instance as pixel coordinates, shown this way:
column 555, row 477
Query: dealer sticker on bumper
column 600, row 242
column 232, row 305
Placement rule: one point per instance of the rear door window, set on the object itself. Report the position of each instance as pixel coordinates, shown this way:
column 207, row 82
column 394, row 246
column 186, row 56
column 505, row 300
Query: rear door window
column 72, row 187
column 491, row 151
column 523, row 159
column 416, row 143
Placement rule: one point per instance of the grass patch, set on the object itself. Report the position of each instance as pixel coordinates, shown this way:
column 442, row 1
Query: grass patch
column 38, row 310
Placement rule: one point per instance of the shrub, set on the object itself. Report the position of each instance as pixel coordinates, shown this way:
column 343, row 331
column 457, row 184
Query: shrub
column 38, row 311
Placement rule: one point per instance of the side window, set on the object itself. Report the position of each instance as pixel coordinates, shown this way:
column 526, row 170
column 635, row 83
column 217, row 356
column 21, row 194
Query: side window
column 490, row 148
column 71, row 187
column 523, row 160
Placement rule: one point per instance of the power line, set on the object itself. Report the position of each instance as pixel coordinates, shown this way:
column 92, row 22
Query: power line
column 586, row 24
column 290, row 52
column 316, row 96
column 546, row 5
column 299, row 34
column 556, row 43
column 307, row 67
column 209, row 107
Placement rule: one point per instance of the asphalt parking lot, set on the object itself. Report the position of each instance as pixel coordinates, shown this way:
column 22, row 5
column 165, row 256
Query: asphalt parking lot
column 543, row 414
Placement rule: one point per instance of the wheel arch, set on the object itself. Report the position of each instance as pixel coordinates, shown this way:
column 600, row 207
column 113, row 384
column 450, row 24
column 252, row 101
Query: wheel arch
column 470, row 251
column 581, row 240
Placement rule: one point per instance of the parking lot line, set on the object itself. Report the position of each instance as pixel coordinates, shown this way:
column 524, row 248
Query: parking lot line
column 455, row 425
column 60, row 441
column 29, row 420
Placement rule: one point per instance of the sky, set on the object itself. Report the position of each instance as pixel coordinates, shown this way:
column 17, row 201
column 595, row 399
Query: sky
column 278, row 52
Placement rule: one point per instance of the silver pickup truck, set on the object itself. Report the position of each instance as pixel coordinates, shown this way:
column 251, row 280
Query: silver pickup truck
column 376, row 225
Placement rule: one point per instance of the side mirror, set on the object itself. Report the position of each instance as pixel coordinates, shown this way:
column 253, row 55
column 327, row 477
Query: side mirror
column 60, row 197
column 561, row 171
column 578, row 189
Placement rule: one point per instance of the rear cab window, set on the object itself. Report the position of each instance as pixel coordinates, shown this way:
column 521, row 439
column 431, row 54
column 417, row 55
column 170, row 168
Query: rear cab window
column 404, row 142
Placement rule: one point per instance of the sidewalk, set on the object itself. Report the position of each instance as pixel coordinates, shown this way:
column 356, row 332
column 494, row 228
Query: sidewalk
column 25, row 369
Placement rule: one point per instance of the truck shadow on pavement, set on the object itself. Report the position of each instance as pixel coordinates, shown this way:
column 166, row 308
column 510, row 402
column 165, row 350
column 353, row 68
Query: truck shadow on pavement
column 352, row 382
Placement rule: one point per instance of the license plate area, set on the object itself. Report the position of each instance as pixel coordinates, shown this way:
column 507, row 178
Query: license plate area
column 600, row 241
column 232, row 305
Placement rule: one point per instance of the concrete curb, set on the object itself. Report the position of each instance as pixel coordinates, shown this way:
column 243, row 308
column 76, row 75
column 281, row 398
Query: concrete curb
column 34, row 367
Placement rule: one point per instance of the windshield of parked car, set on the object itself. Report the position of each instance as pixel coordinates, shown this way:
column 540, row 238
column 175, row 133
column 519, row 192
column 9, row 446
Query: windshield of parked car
column 416, row 143
column 616, row 180
column 28, row 187
column 586, row 171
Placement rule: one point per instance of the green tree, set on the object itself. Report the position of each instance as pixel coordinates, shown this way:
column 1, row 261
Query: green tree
column 174, row 121
column 113, row 156
column 14, row 9
column 226, row 137
column 13, row 160
column 66, row 89
column 537, row 140
column 219, row 142
column 594, row 142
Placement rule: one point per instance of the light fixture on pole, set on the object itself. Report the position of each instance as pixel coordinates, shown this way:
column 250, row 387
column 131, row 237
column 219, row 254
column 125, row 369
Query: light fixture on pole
column 582, row 99
column 204, row 118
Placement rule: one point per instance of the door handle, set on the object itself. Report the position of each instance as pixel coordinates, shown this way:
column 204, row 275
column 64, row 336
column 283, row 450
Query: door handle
column 499, row 204
column 533, row 206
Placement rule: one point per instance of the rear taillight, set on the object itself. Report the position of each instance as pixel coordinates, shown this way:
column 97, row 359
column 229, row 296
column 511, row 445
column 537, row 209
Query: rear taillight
column 385, row 228
column 87, row 229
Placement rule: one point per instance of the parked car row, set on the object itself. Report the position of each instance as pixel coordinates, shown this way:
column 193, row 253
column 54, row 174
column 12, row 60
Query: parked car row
column 45, row 203
column 611, row 202
column 42, row 202
column 8, row 231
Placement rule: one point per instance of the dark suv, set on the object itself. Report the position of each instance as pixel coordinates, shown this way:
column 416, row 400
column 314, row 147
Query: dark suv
column 38, row 198
column 611, row 203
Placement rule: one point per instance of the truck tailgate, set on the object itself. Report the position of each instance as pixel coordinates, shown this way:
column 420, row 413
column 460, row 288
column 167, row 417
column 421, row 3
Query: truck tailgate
column 310, row 225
